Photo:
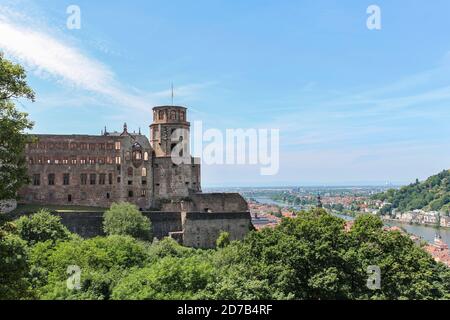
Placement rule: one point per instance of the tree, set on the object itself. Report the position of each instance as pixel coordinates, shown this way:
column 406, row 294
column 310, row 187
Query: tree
column 13, row 123
column 125, row 219
column 168, row 279
column 223, row 240
column 41, row 226
column 313, row 257
column 13, row 267
column 103, row 261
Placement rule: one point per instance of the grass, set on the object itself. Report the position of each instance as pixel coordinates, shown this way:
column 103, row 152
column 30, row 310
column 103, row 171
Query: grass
column 31, row 208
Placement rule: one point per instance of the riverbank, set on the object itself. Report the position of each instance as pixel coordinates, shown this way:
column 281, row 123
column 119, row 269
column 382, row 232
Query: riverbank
column 415, row 223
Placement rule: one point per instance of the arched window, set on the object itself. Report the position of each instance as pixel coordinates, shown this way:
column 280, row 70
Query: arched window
column 130, row 171
column 161, row 115
column 144, row 172
column 146, row 156
column 173, row 115
column 182, row 115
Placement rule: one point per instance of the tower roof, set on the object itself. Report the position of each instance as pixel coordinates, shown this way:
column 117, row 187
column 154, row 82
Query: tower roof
column 168, row 107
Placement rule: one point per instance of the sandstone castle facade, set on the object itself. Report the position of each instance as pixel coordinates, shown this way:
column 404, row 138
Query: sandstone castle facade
column 97, row 170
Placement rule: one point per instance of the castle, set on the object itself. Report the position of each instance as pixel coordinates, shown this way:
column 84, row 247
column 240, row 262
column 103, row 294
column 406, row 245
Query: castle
column 97, row 170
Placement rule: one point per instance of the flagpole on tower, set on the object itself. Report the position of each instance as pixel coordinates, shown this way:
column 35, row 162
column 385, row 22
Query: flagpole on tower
column 172, row 93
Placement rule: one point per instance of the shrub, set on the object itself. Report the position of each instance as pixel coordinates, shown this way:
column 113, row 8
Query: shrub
column 40, row 227
column 125, row 219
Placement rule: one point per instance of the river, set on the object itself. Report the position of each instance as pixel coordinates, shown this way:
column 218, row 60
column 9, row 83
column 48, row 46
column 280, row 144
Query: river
column 427, row 233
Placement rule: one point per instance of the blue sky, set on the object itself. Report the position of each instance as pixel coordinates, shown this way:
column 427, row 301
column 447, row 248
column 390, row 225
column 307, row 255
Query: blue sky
column 354, row 106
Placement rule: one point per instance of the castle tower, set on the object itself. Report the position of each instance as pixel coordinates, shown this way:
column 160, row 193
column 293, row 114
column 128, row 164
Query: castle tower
column 164, row 135
column 319, row 201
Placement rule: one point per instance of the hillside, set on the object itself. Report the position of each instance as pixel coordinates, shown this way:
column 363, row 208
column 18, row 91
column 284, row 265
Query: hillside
column 431, row 194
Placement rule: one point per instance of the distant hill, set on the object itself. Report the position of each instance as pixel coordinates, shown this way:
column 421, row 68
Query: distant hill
column 431, row 194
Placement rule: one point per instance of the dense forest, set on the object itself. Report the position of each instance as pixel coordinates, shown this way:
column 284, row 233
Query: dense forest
column 431, row 194
column 308, row 257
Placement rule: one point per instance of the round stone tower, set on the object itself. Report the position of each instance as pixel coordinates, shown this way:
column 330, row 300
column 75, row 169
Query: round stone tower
column 164, row 133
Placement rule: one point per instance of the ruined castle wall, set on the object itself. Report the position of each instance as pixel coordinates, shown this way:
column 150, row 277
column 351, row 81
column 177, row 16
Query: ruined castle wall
column 218, row 202
column 195, row 229
column 90, row 224
column 207, row 202
column 201, row 230
column 164, row 222
column 105, row 160
column 85, row 224
column 174, row 181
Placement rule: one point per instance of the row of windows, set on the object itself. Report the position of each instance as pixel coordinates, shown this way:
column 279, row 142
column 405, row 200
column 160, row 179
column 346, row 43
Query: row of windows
column 172, row 115
column 75, row 146
column 102, row 178
column 137, row 155
column 82, row 160
column 74, row 160
column 83, row 195
column 85, row 179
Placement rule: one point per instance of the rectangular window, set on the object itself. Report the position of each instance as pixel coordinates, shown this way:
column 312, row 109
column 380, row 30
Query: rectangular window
column 117, row 145
column 110, row 178
column 65, row 160
column 92, row 178
column 91, row 160
column 109, row 160
column 102, row 178
column 83, row 161
column 143, row 193
column 118, row 179
column 83, row 179
column 110, row 146
column 117, row 160
column 74, row 160
column 66, row 179
column 83, row 146
column 30, row 160
column 101, row 160
column 36, row 179
column 130, row 194
column 51, row 179
column 91, row 146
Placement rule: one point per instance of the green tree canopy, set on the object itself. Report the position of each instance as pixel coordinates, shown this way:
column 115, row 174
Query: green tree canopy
column 41, row 226
column 13, row 123
column 13, row 267
column 125, row 219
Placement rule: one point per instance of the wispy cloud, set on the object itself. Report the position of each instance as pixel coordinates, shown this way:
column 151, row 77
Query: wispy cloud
column 52, row 56
column 48, row 56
